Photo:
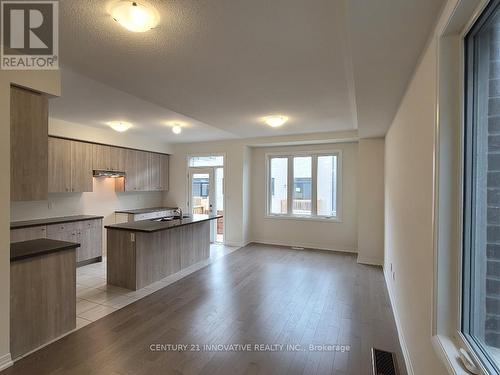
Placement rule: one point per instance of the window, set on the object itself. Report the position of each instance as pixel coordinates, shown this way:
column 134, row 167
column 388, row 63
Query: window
column 279, row 186
column 309, row 179
column 302, row 180
column 481, row 219
column 206, row 161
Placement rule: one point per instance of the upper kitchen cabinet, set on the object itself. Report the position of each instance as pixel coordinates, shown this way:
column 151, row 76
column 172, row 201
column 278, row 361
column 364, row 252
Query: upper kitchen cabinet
column 81, row 167
column 59, row 165
column 154, row 162
column 108, row 158
column 70, row 166
column 101, row 157
column 164, row 170
column 28, row 145
column 142, row 176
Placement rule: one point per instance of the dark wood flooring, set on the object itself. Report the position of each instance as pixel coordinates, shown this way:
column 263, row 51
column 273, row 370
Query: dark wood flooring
column 256, row 295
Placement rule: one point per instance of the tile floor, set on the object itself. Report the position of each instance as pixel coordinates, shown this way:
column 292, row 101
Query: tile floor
column 95, row 299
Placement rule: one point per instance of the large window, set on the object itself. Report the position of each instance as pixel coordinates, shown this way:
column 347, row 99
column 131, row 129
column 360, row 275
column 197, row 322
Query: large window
column 303, row 185
column 481, row 226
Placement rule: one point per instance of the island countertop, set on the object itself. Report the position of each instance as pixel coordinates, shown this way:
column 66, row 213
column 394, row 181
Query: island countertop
column 151, row 226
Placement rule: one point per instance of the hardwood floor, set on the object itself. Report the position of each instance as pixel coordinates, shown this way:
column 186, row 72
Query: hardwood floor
column 256, row 295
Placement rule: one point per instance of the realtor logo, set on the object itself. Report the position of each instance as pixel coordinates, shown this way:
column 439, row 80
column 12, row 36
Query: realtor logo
column 29, row 36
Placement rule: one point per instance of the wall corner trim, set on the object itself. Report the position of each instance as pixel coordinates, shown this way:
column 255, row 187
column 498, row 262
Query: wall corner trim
column 5, row 361
column 402, row 341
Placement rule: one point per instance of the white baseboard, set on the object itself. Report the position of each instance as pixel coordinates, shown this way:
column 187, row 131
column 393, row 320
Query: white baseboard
column 237, row 244
column 304, row 245
column 402, row 341
column 5, row 361
column 370, row 261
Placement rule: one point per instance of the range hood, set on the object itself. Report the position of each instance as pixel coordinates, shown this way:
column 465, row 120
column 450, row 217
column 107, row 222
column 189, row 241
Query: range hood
column 112, row 174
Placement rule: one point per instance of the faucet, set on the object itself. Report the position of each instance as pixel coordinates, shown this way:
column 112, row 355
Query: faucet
column 179, row 212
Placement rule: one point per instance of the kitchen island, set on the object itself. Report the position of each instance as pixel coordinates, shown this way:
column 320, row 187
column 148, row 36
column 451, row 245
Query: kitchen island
column 142, row 252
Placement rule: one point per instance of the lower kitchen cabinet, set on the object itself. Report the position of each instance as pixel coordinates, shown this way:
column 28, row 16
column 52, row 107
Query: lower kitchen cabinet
column 88, row 233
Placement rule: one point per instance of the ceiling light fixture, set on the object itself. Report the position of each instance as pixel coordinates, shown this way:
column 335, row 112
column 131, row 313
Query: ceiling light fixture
column 177, row 129
column 135, row 17
column 120, row 126
column 275, row 121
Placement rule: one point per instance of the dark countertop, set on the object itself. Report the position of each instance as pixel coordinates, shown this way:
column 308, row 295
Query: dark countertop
column 150, row 226
column 52, row 220
column 139, row 211
column 41, row 246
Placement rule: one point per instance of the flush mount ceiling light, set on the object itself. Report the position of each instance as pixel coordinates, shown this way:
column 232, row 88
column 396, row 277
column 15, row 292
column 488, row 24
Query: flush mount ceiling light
column 134, row 16
column 120, row 126
column 177, row 129
column 275, row 121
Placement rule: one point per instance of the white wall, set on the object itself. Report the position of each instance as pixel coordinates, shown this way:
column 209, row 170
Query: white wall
column 340, row 236
column 371, row 201
column 44, row 81
column 409, row 216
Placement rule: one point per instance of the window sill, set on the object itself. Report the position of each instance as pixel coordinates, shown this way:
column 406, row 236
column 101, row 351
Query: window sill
column 305, row 218
column 448, row 351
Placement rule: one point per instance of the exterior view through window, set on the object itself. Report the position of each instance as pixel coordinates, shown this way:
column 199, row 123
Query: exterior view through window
column 303, row 185
column 481, row 226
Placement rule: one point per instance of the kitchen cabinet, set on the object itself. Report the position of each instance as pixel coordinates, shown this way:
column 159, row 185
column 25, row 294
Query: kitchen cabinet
column 81, row 167
column 154, row 168
column 101, row 157
column 28, row 145
column 70, row 166
column 131, row 171
column 164, row 171
column 27, row 234
column 88, row 233
column 142, row 171
column 59, row 165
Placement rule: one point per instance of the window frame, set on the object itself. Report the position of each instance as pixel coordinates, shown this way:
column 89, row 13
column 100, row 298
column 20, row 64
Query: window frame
column 469, row 191
column 290, row 185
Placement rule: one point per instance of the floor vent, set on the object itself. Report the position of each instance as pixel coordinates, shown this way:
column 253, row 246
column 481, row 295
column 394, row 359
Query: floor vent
column 384, row 363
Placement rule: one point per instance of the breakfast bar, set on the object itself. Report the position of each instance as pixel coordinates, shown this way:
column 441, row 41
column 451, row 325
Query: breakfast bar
column 142, row 252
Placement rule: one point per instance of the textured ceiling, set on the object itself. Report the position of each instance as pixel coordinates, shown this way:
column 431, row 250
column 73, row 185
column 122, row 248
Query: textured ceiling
column 225, row 63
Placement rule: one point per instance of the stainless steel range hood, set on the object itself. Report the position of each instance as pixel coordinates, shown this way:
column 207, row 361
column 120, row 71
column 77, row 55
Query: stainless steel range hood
column 112, row 174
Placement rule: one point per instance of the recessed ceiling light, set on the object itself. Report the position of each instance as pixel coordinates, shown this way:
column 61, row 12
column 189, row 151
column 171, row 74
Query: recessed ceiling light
column 120, row 126
column 275, row 120
column 177, row 129
column 135, row 17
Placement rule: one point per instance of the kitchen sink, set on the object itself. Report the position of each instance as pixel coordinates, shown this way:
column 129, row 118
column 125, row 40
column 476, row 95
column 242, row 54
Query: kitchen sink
column 170, row 218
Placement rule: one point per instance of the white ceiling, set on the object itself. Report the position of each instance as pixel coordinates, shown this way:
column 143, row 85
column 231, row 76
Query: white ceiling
column 223, row 64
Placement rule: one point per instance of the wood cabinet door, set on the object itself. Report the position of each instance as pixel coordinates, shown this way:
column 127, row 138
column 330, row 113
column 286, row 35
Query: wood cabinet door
column 101, row 157
column 59, row 174
column 27, row 234
column 81, row 166
column 121, row 155
column 142, row 171
column 131, row 170
column 28, row 145
column 154, row 168
column 114, row 158
column 164, row 166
